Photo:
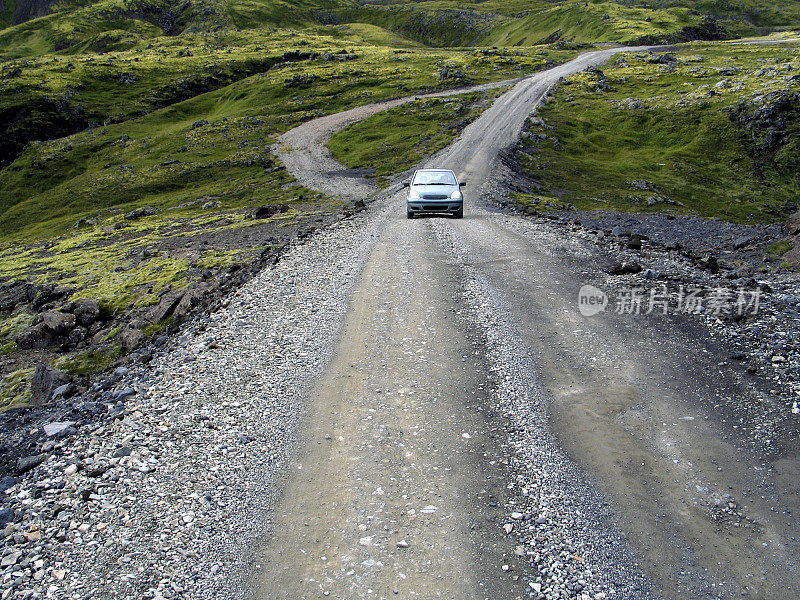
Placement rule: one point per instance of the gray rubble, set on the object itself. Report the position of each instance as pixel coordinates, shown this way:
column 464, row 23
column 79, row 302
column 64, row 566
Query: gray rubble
column 166, row 461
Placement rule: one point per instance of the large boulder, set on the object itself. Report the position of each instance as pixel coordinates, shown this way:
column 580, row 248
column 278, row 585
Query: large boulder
column 144, row 211
column 793, row 224
column 18, row 292
column 45, row 381
column 192, row 298
column 38, row 336
column 86, row 311
column 77, row 335
column 50, row 292
column 6, row 516
column 626, row 268
column 58, row 322
column 130, row 338
column 269, row 210
column 52, row 326
column 26, row 463
column 166, row 306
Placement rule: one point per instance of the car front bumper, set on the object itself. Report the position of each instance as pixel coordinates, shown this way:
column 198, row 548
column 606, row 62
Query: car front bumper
column 434, row 206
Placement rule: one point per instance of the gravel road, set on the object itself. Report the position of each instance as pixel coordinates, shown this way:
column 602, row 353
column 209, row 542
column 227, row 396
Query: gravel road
column 623, row 446
column 304, row 152
column 414, row 409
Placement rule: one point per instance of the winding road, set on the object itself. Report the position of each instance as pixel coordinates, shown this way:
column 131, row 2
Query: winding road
column 464, row 367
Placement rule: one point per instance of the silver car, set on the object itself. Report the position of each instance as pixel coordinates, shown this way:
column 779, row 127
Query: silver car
column 434, row 191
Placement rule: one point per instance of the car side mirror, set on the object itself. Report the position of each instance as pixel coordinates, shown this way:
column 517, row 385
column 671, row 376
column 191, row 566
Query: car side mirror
column 462, row 184
column 406, row 184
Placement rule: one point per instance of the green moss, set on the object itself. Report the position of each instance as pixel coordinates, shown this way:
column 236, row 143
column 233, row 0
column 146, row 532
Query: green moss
column 113, row 333
column 159, row 326
column 216, row 259
column 671, row 127
column 91, row 361
column 15, row 389
column 10, row 327
column 781, row 247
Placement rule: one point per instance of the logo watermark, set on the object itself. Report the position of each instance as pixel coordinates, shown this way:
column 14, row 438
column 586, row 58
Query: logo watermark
column 591, row 300
column 718, row 302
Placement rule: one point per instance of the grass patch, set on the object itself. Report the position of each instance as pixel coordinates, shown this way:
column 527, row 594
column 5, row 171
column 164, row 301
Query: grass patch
column 15, row 389
column 159, row 326
column 91, row 361
column 395, row 140
column 10, row 327
column 666, row 136
column 780, row 248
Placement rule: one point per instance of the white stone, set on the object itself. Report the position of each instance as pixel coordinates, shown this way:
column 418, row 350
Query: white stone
column 57, row 427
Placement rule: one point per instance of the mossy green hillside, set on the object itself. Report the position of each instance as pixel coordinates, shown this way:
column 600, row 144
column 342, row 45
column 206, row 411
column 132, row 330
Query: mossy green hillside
column 668, row 135
column 129, row 265
column 780, row 247
column 217, row 144
column 396, row 140
column 76, row 26
column 517, row 22
column 15, row 388
column 203, row 164
column 11, row 326
column 54, row 96
column 89, row 361
column 595, row 22
column 101, row 25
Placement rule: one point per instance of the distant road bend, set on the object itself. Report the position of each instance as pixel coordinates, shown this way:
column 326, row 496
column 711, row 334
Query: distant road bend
column 461, row 347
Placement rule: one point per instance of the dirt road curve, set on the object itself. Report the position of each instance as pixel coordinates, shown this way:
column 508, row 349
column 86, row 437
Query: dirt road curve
column 466, row 387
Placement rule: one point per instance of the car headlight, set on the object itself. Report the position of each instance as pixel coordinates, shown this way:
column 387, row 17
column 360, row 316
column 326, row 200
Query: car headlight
column 412, row 195
column 456, row 195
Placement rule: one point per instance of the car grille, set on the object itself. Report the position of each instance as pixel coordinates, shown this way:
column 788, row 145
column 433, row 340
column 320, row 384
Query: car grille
column 434, row 207
column 433, row 197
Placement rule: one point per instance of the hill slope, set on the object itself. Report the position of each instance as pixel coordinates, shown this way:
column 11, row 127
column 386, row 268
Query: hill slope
column 135, row 160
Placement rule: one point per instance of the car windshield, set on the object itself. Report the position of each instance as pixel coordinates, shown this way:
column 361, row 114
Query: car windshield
column 434, row 178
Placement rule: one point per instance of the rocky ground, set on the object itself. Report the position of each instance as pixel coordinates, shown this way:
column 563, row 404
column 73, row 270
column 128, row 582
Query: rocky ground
column 655, row 252
column 44, row 327
column 150, row 475
column 112, row 476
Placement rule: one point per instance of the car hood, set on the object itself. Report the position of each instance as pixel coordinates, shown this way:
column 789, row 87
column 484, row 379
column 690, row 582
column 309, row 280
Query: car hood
column 423, row 190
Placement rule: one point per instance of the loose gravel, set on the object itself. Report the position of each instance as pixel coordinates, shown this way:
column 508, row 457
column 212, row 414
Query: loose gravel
column 166, row 490
column 766, row 342
column 563, row 524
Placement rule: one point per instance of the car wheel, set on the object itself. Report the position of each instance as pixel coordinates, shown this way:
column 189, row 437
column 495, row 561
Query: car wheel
column 409, row 214
column 459, row 214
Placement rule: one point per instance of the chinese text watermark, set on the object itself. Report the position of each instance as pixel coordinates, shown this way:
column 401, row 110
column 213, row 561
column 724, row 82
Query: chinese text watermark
column 719, row 301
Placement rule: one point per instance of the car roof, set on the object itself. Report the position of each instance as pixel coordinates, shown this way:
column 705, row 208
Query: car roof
column 434, row 171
